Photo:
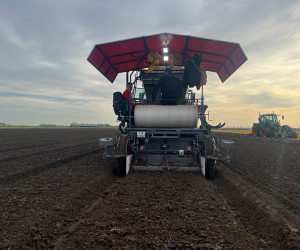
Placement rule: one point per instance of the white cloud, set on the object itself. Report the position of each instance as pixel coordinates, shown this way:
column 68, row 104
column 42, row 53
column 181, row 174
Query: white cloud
column 44, row 47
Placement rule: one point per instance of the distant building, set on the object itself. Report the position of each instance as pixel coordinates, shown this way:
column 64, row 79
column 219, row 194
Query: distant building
column 75, row 124
column 47, row 125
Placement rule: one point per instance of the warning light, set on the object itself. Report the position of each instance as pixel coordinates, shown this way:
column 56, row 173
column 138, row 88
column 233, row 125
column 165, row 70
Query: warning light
column 188, row 148
column 142, row 147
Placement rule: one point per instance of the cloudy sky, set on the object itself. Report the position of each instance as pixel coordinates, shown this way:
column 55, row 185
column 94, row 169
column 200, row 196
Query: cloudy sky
column 45, row 76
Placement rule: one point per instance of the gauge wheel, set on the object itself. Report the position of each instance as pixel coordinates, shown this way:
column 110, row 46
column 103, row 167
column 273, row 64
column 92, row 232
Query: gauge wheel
column 210, row 147
column 123, row 150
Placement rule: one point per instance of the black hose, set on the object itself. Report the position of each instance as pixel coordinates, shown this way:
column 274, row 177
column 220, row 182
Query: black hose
column 122, row 124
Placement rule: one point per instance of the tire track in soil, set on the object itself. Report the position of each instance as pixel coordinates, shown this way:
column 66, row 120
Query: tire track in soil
column 56, row 164
column 254, row 210
column 155, row 210
column 276, row 177
column 160, row 210
column 272, row 187
column 73, row 214
column 72, row 209
column 41, row 151
column 82, row 217
column 36, row 137
column 265, row 174
column 5, row 150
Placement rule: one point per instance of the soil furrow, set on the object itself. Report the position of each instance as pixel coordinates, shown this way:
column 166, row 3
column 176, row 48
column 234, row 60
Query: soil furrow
column 65, row 197
column 252, row 210
column 36, row 170
column 36, row 144
column 40, row 151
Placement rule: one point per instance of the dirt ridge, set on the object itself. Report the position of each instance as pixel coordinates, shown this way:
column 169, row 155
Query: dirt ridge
column 68, row 197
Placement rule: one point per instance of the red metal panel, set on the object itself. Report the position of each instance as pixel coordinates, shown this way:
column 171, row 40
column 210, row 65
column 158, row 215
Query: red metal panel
column 96, row 58
column 210, row 46
column 176, row 43
column 126, row 58
column 105, row 67
column 213, row 58
column 210, row 66
column 127, row 66
column 223, row 74
column 238, row 57
column 122, row 56
column 155, row 43
column 229, row 67
column 111, row 74
column 122, row 47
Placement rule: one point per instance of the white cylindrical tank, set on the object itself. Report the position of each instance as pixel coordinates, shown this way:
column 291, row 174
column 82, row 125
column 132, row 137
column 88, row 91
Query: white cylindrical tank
column 163, row 116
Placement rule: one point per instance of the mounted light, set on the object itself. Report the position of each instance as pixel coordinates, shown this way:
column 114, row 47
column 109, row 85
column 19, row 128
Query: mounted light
column 166, row 58
column 165, row 50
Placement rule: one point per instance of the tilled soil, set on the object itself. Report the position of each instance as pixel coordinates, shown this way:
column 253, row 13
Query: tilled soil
column 56, row 191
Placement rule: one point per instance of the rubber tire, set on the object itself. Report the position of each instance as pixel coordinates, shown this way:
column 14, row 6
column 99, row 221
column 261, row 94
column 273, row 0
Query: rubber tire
column 209, row 163
column 121, row 167
column 255, row 131
column 210, row 168
column 266, row 132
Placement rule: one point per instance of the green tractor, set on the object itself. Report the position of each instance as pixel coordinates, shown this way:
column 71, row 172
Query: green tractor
column 269, row 126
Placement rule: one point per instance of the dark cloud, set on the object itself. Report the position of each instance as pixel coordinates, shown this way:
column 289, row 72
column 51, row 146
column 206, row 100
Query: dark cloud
column 45, row 44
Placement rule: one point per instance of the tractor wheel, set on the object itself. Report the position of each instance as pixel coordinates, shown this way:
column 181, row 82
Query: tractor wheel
column 121, row 167
column 266, row 132
column 209, row 150
column 255, row 131
column 123, row 150
column 210, row 168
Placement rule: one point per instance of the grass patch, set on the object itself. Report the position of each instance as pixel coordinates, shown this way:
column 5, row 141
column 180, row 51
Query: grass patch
column 247, row 132
column 234, row 131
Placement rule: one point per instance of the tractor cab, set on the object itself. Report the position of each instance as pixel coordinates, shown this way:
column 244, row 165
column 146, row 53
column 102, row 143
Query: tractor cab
column 270, row 119
column 165, row 132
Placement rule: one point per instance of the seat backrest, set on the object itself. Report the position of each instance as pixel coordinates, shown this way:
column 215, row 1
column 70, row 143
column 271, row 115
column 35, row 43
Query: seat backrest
column 191, row 75
column 120, row 105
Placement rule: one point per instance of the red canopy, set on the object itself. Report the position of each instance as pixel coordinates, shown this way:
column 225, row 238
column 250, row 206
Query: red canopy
column 122, row 56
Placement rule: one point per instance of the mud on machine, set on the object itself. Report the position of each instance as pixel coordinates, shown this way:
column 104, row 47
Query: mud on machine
column 164, row 137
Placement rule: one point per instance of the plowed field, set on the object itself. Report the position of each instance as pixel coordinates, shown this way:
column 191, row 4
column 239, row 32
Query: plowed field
column 57, row 192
